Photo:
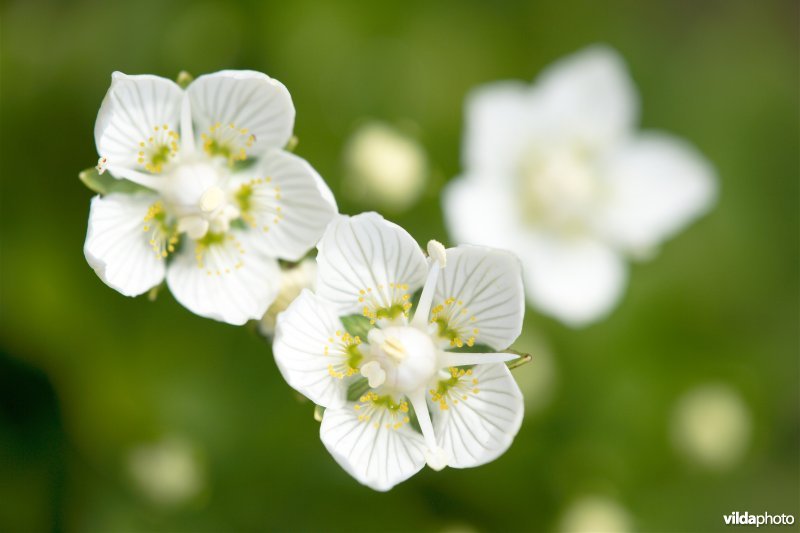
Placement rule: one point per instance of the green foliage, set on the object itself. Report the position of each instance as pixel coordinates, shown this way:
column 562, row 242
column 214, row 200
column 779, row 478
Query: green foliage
column 356, row 325
column 357, row 389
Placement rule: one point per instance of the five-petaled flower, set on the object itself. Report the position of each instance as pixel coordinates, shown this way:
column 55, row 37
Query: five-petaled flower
column 424, row 398
column 220, row 200
column 555, row 172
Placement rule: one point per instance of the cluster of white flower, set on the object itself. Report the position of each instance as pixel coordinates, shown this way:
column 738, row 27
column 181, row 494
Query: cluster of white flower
column 406, row 354
column 409, row 362
column 220, row 200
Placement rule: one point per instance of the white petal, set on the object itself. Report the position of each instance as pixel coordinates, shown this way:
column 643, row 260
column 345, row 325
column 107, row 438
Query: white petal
column 575, row 280
column 290, row 205
column 657, row 184
column 479, row 418
column 588, row 97
column 499, row 117
column 306, row 339
column 366, row 261
column 132, row 110
column 479, row 212
column 376, row 456
column 248, row 100
column 117, row 246
column 233, row 283
column 479, row 297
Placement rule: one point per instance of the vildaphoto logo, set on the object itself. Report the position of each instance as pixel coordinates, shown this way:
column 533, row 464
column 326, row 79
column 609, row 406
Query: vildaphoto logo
column 741, row 519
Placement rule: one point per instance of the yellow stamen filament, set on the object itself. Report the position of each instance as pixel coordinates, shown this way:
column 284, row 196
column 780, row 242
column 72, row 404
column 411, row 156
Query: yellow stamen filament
column 385, row 301
column 159, row 149
column 458, row 387
column 230, row 142
column 454, row 322
column 382, row 411
column 344, row 348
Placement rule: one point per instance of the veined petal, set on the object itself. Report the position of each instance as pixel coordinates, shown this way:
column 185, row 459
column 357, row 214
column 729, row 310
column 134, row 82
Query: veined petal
column 369, row 265
column 588, row 97
column 241, row 112
column 313, row 351
column 287, row 204
column 575, row 280
column 499, row 118
column 476, row 414
column 224, row 277
column 657, row 184
column 138, row 121
column 377, row 450
column 118, row 246
column 479, row 298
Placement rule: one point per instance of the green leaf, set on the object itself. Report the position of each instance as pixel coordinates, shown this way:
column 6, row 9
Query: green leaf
column 107, row 184
column 241, row 165
column 357, row 325
column 357, row 389
column 239, row 224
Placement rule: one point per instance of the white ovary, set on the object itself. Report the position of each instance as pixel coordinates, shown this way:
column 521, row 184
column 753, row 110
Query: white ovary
column 403, row 358
column 197, row 193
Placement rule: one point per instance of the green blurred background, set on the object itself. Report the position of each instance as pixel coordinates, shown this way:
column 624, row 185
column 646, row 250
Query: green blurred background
column 90, row 381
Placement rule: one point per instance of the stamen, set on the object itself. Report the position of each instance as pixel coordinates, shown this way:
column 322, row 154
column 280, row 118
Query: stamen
column 374, row 374
column 382, row 411
column 437, row 252
column 228, row 141
column 346, row 352
column 439, row 256
column 435, row 456
column 159, row 149
column 455, row 323
column 455, row 388
column 462, row 359
column 163, row 236
column 102, row 164
column 386, row 303
column 218, row 257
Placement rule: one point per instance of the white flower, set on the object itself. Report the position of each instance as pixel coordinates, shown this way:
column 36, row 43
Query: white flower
column 168, row 472
column 711, row 425
column 222, row 202
column 472, row 296
column 556, row 172
column 596, row 514
column 385, row 167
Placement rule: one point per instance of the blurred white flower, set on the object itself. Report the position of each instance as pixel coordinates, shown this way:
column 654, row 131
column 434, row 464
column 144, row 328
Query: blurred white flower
column 168, row 472
column 211, row 225
column 711, row 426
column 385, row 167
column 471, row 296
column 293, row 281
column 596, row 514
column 556, row 172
